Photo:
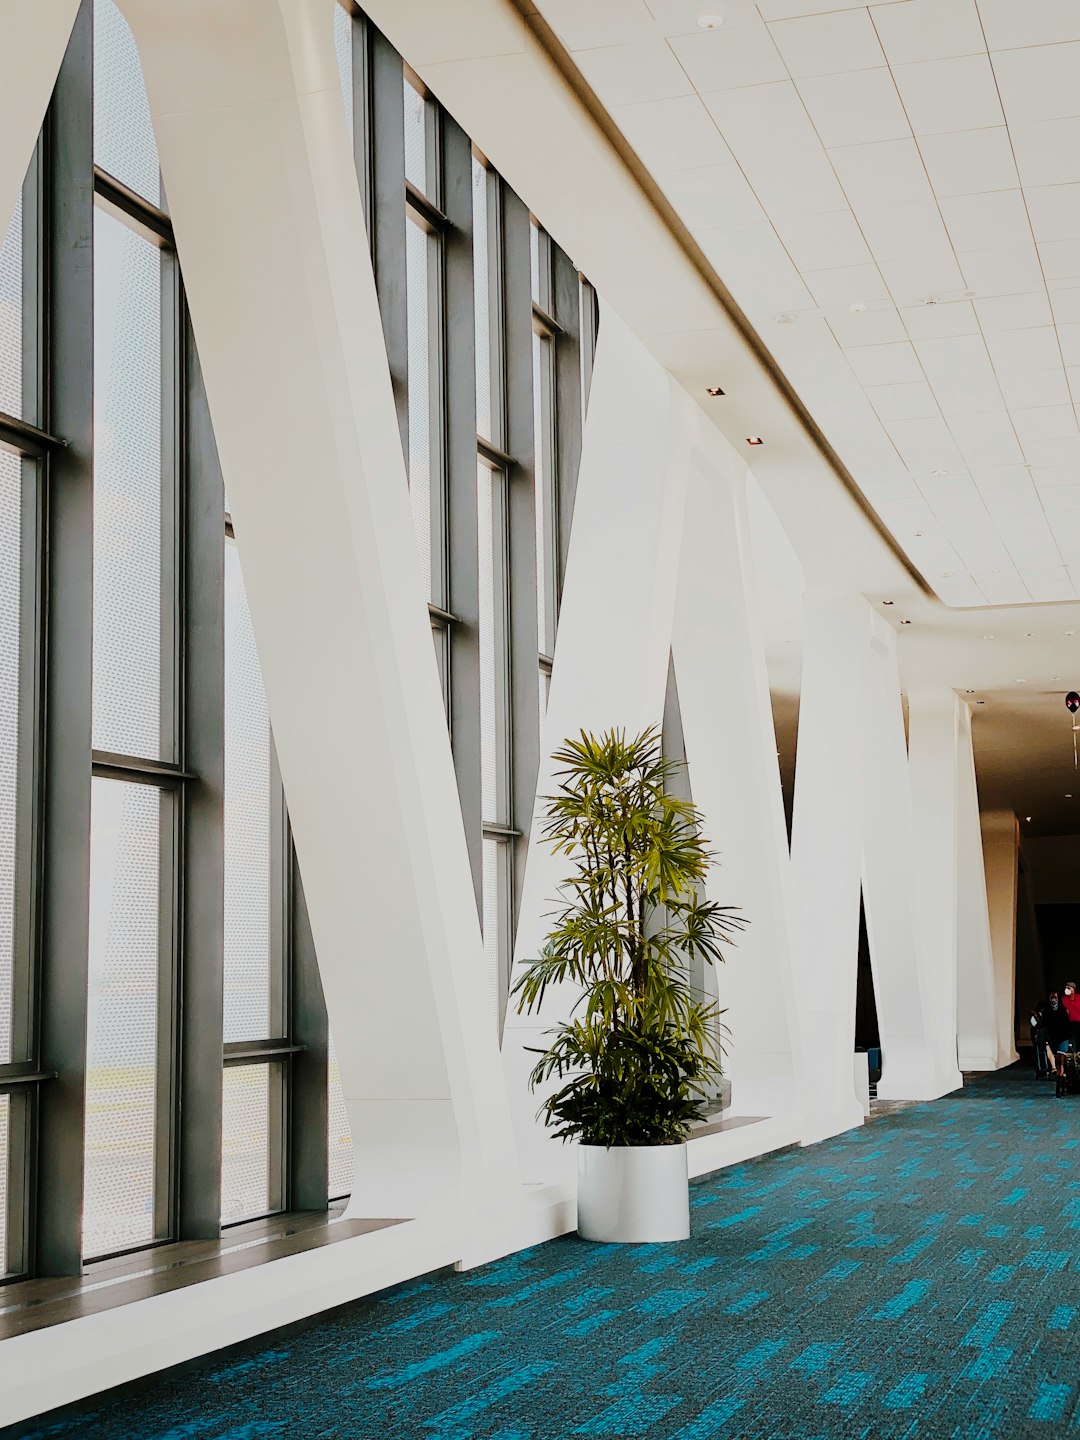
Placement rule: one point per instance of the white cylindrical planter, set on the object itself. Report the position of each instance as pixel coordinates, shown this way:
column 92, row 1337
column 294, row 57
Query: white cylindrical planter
column 633, row 1194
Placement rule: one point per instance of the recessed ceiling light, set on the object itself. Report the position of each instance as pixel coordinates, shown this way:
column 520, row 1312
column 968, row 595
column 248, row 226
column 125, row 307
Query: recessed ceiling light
column 754, row 440
column 931, row 300
column 710, row 22
column 980, row 702
column 888, row 602
column 713, row 390
column 1068, row 796
column 1021, row 682
column 785, row 319
column 1027, row 817
column 1068, row 634
column 939, row 472
column 1055, row 677
column 987, row 637
column 858, row 307
column 969, row 692
column 905, row 622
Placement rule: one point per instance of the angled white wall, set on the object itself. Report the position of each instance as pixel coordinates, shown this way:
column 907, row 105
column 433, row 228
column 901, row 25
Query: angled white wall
column 257, row 164
column 613, row 641
column 903, row 980
column 978, row 1041
column 731, row 754
column 37, row 34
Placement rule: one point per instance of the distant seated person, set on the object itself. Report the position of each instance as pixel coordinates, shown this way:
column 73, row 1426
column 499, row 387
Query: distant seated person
column 1067, row 1028
column 1040, row 1041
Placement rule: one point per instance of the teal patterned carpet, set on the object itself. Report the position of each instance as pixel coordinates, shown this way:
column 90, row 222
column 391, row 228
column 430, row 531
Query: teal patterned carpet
column 918, row 1277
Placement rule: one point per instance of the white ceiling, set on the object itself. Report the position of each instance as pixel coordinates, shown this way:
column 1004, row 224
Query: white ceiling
column 892, row 194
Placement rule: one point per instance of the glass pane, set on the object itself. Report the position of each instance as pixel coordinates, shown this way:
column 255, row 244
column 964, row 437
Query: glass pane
column 416, row 138
column 122, row 1023
column 10, row 611
column 482, row 301
column 246, row 1131
column 124, row 142
column 249, row 815
column 127, row 491
column 339, row 1135
column 534, row 264
column 343, row 50
column 542, row 490
column 11, row 307
column 419, row 325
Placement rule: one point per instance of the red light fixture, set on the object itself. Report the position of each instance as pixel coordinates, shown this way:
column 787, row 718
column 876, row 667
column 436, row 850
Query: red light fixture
column 754, row 440
column 713, row 390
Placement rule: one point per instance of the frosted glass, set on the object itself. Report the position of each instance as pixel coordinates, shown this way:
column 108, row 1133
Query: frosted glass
column 343, row 51
column 124, row 142
column 245, row 1142
column 489, row 748
column 11, row 315
column 339, row 1136
column 10, row 609
column 419, row 310
column 248, row 820
column 415, row 138
column 127, row 491
column 122, row 1021
column 5, row 1162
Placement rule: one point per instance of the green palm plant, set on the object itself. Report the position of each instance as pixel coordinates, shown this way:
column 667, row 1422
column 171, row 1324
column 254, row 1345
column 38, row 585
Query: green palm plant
column 642, row 1047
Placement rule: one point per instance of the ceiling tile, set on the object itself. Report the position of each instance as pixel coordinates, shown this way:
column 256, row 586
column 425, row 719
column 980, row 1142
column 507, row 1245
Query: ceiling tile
column 751, row 260
column 1062, row 497
column 968, row 162
column 933, row 322
column 912, row 280
column 903, row 402
column 977, row 222
column 819, row 242
column 986, row 439
column 941, row 95
column 888, row 172
column 625, row 74
column 1055, row 211
column 712, row 195
column 1047, row 422
column 672, row 134
column 850, row 285
column 1053, row 452
column 1011, row 478
column 786, row 9
column 763, row 117
column 854, row 109
column 960, row 374
column 925, row 445
column 1024, row 389
column 1048, row 152
column 724, row 59
column 1060, row 259
column 1065, row 303
column 1014, row 312
column 870, row 327
column 910, row 230
column 1053, row 477
column 1002, row 271
column 604, row 22
column 793, row 182
column 1035, row 349
column 1009, row 23
column 1039, row 83
column 680, row 17
column 1069, row 335
column 932, row 486
column 885, row 364
column 928, row 30
column 1072, row 376
column 828, row 44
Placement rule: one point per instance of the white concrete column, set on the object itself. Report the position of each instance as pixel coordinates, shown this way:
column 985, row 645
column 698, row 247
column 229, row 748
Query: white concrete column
column 935, row 718
column 257, row 164
column 613, row 642
column 33, row 37
column 977, row 1038
column 903, row 986
column 1001, row 855
column 735, row 777
column 826, row 853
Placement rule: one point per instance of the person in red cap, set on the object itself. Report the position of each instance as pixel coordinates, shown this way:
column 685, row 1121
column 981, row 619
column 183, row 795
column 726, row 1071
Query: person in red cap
column 1070, row 1003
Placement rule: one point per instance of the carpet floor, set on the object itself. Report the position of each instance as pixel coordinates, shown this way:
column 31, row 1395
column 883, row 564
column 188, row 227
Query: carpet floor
column 917, row 1277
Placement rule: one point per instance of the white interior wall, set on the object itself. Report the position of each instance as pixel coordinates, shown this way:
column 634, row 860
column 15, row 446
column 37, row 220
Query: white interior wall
column 1001, row 853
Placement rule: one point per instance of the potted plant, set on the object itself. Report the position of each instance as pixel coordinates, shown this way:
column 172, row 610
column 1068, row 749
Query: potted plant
column 641, row 1051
